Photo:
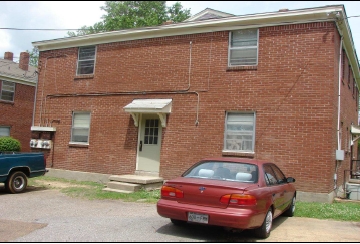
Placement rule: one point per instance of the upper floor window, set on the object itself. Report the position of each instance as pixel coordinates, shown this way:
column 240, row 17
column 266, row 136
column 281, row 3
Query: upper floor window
column 80, row 127
column 243, row 47
column 7, row 91
column 86, row 60
column 240, row 132
column 4, row 131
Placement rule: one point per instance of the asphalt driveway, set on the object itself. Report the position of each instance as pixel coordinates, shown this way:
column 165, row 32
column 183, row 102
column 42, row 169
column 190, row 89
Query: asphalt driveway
column 43, row 215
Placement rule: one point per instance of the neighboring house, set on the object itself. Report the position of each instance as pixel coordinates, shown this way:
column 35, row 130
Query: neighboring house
column 159, row 99
column 17, row 96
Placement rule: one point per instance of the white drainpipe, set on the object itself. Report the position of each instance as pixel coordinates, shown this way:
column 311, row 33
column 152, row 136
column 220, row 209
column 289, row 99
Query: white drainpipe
column 340, row 64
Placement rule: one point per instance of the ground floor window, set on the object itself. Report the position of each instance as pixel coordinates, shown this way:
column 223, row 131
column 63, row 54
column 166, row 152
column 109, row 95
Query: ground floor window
column 4, row 131
column 80, row 127
column 239, row 132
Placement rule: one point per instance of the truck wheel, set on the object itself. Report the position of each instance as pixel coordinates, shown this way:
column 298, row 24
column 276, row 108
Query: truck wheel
column 17, row 182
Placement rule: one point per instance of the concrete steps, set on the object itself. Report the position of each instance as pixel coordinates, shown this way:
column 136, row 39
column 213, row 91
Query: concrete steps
column 133, row 183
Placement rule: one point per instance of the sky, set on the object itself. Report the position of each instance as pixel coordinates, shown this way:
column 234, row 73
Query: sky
column 75, row 14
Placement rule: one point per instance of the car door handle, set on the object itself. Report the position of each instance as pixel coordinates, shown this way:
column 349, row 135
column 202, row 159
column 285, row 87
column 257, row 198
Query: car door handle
column 273, row 194
column 140, row 146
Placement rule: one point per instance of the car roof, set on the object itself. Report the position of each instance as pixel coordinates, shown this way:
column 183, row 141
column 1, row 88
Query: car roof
column 236, row 160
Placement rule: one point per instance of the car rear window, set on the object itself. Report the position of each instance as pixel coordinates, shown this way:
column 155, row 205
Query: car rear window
column 231, row 171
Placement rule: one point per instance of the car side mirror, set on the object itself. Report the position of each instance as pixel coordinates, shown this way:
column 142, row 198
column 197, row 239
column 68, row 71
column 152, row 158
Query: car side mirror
column 290, row 180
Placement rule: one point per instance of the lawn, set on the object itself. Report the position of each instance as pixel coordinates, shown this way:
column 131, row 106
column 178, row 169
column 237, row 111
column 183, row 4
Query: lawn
column 343, row 211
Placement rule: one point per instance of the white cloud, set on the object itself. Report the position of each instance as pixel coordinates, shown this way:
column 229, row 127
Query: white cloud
column 75, row 14
column 5, row 41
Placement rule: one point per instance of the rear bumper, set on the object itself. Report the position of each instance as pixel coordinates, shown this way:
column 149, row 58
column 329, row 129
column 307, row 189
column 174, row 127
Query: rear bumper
column 228, row 217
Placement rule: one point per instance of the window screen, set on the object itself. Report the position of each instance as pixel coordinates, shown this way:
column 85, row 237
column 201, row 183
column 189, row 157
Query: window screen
column 243, row 47
column 86, row 60
column 4, row 131
column 80, row 127
column 7, row 91
column 239, row 132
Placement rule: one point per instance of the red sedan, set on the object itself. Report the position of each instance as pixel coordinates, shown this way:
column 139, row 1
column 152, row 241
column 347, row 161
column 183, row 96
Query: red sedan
column 230, row 192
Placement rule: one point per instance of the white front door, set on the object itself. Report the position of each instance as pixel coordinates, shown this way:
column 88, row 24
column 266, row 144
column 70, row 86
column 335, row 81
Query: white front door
column 149, row 143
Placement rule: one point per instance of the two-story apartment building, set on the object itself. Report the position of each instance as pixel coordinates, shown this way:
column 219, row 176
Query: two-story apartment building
column 17, row 96
column 279, row 86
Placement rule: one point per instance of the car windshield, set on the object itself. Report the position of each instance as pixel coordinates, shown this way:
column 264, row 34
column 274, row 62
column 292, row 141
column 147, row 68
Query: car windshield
column 230, row 171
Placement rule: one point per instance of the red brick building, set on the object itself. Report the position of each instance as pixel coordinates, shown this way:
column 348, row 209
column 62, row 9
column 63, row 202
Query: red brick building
column 159, row 99
column 17, row 96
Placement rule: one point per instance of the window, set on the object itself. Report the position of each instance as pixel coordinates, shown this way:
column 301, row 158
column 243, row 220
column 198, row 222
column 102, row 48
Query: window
column 279, row 175
column 243, row 47
column 86, row 60
column 343, row 65
column 151, row 131
column 80, row 127
column 270, row 177
column 239, row 132
column 7, row 91
column 349, row 76
column 219, row 170
column 4, row 131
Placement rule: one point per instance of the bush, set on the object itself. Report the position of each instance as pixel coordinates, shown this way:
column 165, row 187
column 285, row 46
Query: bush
column 9, row 144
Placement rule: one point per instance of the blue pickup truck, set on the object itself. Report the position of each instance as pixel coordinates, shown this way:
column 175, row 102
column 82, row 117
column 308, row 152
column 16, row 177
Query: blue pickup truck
column 16, row 168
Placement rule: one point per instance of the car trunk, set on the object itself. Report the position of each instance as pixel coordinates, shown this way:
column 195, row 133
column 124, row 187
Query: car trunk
column 206, row 192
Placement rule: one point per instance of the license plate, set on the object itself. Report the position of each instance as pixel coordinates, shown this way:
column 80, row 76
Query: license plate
column 198, row 218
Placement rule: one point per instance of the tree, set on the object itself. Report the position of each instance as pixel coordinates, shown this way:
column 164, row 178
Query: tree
column 133, row 14
column 34, row 57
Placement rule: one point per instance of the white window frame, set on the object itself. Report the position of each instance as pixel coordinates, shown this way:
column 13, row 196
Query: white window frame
column 78, row 60
column 253, row 132
column 12, row 91
column 4, row 127
column 242, row 48
column 72, row 141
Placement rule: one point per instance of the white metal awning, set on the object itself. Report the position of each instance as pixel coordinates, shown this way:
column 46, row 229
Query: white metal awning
column 155, row 106
column 355, row 130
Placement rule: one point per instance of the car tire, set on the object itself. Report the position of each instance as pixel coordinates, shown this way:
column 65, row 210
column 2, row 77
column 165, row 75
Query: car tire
column 17, row 182
column 291, row 210
column 264, row 230
column 178, row 222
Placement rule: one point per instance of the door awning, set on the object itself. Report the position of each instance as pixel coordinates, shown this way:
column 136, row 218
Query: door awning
column 355, row 129
column 153, row 106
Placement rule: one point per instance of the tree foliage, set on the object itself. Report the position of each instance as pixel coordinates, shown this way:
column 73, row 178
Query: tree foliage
column 9, row 144
column 133, row 14
column 34, row 57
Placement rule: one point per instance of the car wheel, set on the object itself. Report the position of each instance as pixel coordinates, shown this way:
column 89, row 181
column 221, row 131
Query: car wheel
column 178, row 222
column 291, row 210
column 17, row 182
column 264, row 230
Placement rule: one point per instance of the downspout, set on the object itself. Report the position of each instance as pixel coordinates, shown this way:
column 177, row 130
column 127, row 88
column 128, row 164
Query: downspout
column 339, row 93
column 339, row 104
column 33, row 116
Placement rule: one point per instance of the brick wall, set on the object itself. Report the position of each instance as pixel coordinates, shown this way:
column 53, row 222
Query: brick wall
column 293, row 91
column 18, row 114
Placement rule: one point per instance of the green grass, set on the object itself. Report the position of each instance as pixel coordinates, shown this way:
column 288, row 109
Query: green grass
column 343, row 211
column 93, row 190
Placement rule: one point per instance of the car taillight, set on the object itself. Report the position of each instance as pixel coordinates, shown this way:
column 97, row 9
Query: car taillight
column 168, row 191
column 238, row 199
